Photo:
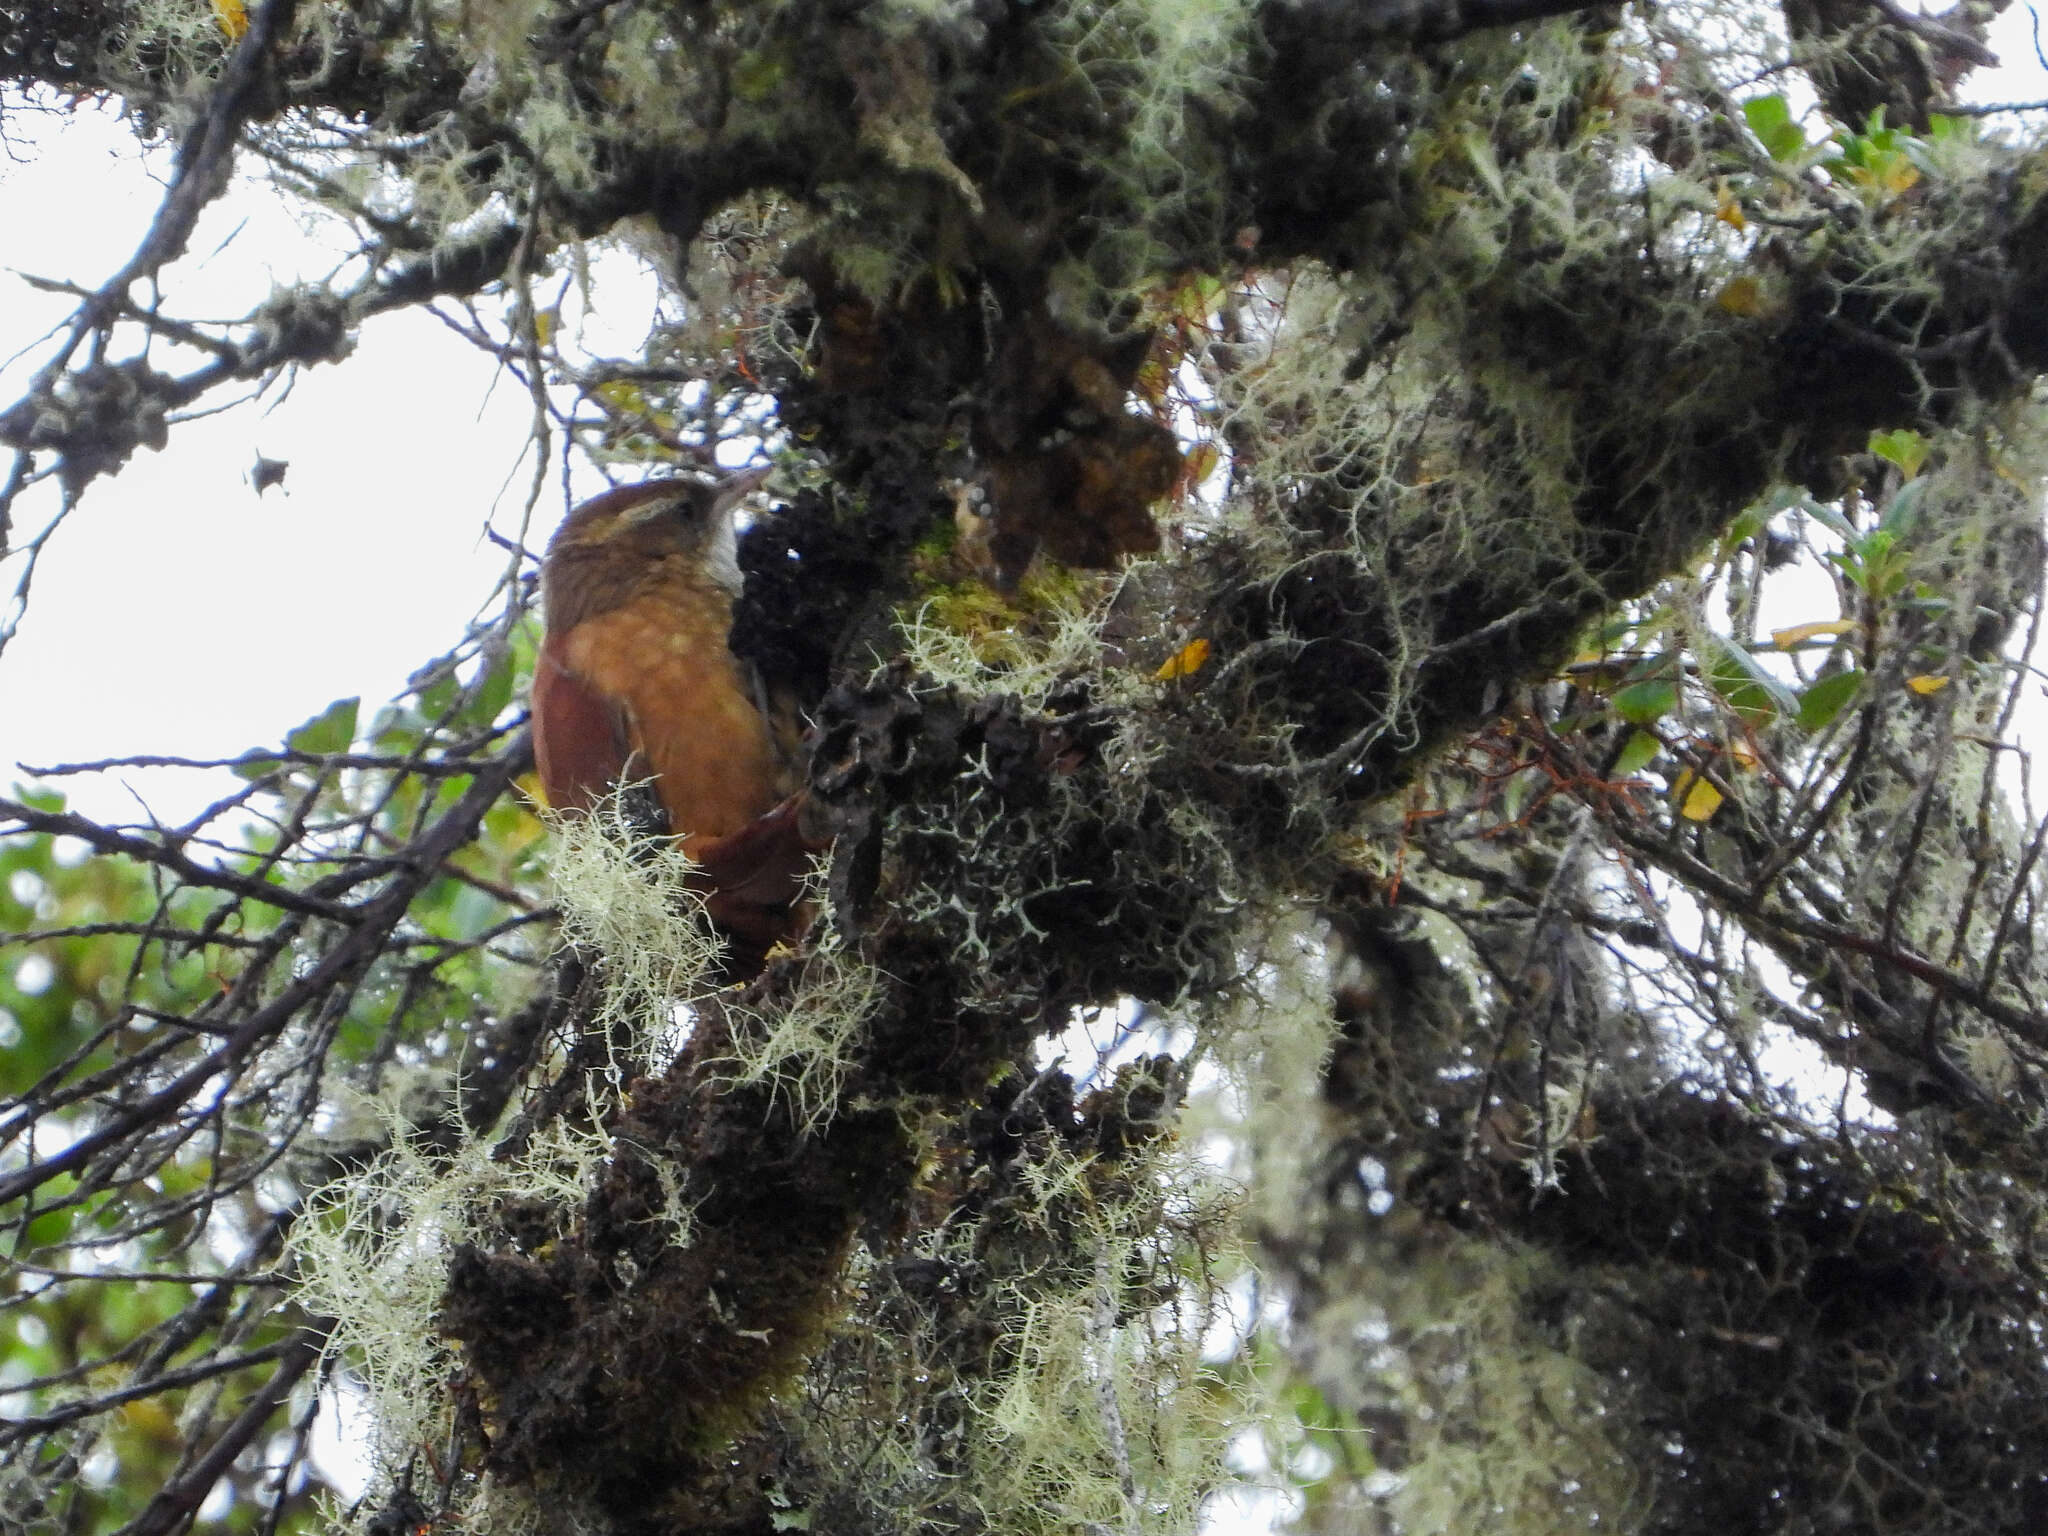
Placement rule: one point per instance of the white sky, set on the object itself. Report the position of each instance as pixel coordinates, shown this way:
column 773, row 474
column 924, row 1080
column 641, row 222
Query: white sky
column 177, row 612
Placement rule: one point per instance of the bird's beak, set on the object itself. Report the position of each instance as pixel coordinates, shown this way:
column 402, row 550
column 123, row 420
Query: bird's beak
column 727, row 493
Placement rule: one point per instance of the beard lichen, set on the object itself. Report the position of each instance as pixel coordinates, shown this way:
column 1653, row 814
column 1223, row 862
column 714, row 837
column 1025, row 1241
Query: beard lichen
column 630, row 898
column 1036, row 1359
column 371, row 1257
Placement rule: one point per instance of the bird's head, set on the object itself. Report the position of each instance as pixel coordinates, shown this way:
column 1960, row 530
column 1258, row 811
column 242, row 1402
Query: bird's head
column 613, row 543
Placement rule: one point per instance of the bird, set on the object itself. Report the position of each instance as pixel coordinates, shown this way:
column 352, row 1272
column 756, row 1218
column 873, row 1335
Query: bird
column 635, row 681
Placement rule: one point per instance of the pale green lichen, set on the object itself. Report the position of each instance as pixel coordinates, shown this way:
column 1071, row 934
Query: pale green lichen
column 804, row 1048
column 1086, row 1400
column 1510, row 1431
column 985, row 650
column 371, row 1256
column 180, row 43
column 630, row 898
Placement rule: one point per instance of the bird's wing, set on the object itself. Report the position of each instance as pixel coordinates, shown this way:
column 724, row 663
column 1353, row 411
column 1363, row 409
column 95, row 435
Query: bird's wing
column 756, row 879
column 582, row 740
column 764, row 863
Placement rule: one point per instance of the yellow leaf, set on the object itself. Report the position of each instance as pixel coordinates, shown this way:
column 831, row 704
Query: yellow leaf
column 523, row 826
column 1185, row 662
column 1727, row 210
column 1926, row 683
column 630, row 400
column 1741, row 295
column 1798, row 634
column 232, row 17
column 1697, row 798
column 1744, row 755
column 1898, row 176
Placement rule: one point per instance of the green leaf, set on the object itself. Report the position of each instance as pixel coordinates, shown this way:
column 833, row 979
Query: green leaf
column 1610, row 635
column 1770, row 119
column 1767, row 114
column 48, row 1228
column 1920, row 155
column 492, row 693
column 1829, row 518
column 1888, row 564
column 436, row 698
column 1646, row 703
column 332, row 730
column 1821, row 703
column 1901, row 516
column 1876, row 562
column 1637, row 753
column 40, row 798
column 1901, row 446
column 394, row 730
column 1748, row 525
column 1743, row 684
